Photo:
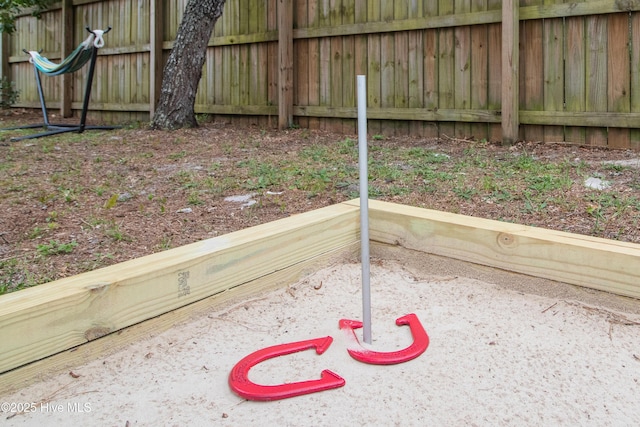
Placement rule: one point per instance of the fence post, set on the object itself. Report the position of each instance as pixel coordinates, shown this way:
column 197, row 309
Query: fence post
column 66, row 47
column 285, row 62
column 5, row 71
column 510, row 70
column 156, row 63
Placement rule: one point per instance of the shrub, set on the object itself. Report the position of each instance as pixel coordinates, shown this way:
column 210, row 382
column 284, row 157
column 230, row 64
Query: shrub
column 8, row 93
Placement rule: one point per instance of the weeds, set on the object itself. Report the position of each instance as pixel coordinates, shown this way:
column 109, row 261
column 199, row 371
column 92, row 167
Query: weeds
column 55, row 247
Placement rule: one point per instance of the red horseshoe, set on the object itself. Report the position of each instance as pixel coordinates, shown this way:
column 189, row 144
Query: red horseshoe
column 419, row 345
column 241, row 385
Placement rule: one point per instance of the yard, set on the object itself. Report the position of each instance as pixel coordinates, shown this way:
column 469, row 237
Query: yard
column 78, row 202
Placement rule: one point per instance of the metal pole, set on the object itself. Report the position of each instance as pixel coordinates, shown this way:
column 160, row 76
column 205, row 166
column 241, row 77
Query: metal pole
column 364, row 208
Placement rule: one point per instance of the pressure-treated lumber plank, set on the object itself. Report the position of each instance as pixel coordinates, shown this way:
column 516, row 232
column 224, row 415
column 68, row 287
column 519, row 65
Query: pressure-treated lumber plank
column 40, row 321
column 592, row 262
column 276, row 254
column 66, row 360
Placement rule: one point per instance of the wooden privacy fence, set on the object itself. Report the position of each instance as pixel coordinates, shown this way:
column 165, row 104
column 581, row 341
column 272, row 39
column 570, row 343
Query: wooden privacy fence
column 503, row 70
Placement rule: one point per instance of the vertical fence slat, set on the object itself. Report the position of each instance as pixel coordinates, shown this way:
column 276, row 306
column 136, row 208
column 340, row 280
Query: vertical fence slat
column 67, row 46
column 430, row 78
column 635, row 76
column 479, row 70
column 314, row 64
column 575, row 74
column 446, row 69
column 462, row 78
column 348, row 79
column 324, row 76
column 401, row 66
column 596, row 73
column 156, row 61
column 374, row 66
column 335, row 80
column 301, row 63
column 532, row 72
column 416, row 82
column 619, row 87
column 553, row 95
column 285, row 58
column 387, row 79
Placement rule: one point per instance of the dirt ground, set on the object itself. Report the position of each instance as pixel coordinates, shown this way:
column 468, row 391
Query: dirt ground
column 78, row 202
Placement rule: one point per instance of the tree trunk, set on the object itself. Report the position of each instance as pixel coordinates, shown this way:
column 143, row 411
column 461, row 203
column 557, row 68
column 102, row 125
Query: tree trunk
column 184, row 68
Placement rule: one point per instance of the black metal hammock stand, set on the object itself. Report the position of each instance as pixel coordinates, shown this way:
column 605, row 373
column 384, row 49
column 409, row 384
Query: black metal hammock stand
column 87, row 51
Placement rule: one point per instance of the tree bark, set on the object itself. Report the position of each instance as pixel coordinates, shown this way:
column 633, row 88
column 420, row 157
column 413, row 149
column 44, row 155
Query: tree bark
column 183, row 70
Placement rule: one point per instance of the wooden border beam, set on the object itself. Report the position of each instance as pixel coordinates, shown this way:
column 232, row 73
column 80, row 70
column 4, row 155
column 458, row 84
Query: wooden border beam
column 592, row 262
column 53, row 317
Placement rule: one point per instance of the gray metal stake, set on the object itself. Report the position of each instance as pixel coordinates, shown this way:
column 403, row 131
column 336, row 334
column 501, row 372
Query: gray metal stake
column 364, row 207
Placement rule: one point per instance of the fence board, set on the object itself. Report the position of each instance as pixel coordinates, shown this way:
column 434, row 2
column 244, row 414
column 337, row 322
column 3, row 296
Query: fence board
column 360, row 47
column 374, row 66
column 635, row 76
column 349, row 65
column 618, row 72
column 446, row 68
column 401, row 68
column 301, row 65
column 431, row 78
column 596, row 75
column 553, row 94
column 494, row 76
column 532, row 71
column 575, row 75
column 462, row 77
column 479, row 69
column 416, row 82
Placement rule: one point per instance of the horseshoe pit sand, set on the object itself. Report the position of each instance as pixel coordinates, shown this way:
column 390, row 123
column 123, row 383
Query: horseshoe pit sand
column 526, row 327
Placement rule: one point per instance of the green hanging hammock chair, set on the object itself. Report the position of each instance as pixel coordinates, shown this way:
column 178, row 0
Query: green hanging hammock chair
column 87, row 51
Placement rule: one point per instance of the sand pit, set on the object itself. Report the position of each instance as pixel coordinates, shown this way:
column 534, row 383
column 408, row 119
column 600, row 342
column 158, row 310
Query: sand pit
column 498, row 355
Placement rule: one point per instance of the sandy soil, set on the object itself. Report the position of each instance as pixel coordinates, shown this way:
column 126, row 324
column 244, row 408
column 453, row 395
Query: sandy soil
column 504, row 350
